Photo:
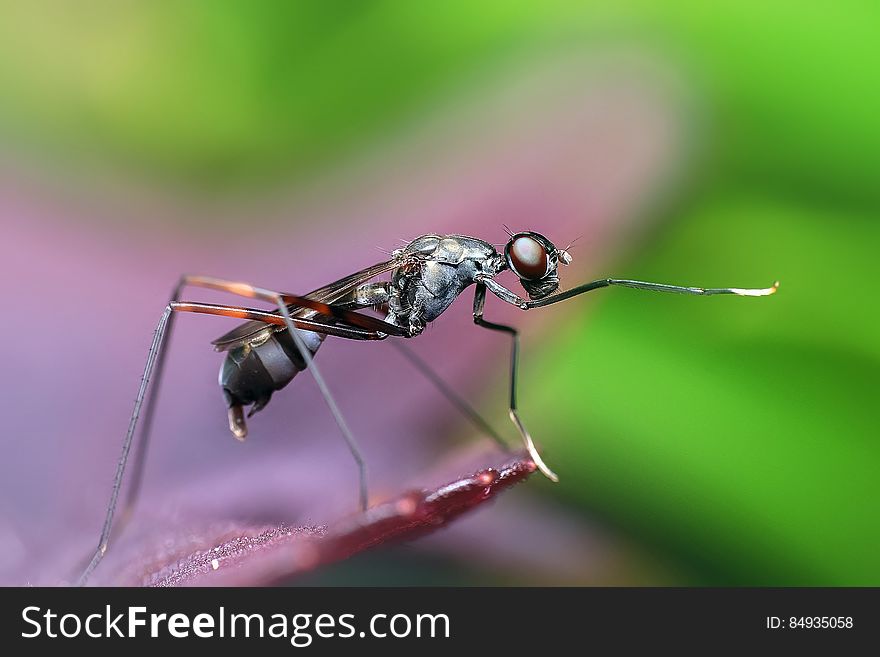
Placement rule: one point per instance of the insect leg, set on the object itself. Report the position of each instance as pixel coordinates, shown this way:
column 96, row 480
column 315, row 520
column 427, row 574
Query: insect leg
column 146, row 421
column 654, row 287
column 510, row 297
column 334, row 409
column 140, row 456
column 376, row 295
column 160, row 338
column 350, row 317
column 479, row 303
column 454, row 398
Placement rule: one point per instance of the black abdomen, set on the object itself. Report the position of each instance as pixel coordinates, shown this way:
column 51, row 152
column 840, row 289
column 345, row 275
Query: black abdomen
column 253, row 371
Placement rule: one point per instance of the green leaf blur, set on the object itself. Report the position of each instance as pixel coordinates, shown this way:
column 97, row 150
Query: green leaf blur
column 739, row 434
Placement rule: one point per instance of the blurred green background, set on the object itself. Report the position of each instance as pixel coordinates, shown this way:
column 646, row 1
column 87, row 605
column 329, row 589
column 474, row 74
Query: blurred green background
column 740, row 445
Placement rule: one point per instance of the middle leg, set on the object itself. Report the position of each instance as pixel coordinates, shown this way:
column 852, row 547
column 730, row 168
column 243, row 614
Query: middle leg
column 453, row 397
column 479, row 303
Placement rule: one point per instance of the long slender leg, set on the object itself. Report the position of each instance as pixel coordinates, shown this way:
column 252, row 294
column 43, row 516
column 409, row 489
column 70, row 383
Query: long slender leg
column 160, row 337
column 479, row 303
column 141, row 450
column 155, row 347
column 454, row 398
column 351, row 317
column 376, row 295
column 143, row 445
column 510, row 297
column 348, row 316
column 654, row 287
column 277, row 318
column 334, row 409
column 249, row 291
column 146, row 422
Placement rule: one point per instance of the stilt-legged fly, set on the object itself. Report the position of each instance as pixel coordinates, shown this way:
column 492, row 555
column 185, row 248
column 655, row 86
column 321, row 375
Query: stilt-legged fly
column 427, row 275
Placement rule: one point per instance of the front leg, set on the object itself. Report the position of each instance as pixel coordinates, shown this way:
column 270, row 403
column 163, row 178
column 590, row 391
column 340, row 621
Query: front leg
column 510, row 297
column 479, row 303
column 499, row 291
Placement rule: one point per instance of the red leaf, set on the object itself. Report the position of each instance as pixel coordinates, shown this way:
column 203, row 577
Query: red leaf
column 269, row 554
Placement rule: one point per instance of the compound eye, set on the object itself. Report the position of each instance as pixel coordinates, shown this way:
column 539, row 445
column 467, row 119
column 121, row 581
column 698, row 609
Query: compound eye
column 529, row 258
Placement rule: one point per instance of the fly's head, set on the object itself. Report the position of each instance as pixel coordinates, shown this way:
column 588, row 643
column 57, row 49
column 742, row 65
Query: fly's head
column 535, row 259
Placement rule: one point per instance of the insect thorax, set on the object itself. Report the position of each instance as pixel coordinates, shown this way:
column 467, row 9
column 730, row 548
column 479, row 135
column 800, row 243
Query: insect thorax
column 445, row 266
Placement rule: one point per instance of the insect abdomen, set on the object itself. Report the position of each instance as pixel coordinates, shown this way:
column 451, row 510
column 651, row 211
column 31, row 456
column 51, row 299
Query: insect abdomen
column 253, row 371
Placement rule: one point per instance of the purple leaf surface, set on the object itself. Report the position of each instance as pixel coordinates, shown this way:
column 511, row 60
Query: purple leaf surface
column 260, row 555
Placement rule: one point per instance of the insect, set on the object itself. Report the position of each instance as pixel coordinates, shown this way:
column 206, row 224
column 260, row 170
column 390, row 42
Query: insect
column 264, row 354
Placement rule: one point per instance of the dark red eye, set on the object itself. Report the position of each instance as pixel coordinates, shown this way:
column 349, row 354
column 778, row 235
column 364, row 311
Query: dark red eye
column 528, row 258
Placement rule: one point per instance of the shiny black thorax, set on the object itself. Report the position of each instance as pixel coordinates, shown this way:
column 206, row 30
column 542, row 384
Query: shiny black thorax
column 448, row 264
